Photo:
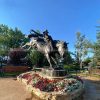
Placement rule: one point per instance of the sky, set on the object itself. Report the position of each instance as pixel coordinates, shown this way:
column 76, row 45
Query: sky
column 62, row 18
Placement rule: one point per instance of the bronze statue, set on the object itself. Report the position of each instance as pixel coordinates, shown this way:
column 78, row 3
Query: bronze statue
column 48, row 47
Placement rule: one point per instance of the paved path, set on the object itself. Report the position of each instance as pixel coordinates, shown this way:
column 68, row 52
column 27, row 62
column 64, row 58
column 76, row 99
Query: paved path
column 11, row 89
column 92, row 90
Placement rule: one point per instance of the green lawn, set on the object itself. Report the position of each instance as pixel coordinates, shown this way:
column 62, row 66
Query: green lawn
column 12, row 74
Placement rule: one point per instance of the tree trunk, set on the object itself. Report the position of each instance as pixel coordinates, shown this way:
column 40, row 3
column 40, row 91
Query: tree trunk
column 81, row 63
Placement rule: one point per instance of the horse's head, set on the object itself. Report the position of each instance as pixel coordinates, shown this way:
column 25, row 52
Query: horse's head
column 62, row 47
column 33, row 41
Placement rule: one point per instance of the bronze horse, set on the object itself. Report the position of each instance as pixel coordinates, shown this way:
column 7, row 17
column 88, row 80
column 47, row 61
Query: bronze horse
column 47, row 50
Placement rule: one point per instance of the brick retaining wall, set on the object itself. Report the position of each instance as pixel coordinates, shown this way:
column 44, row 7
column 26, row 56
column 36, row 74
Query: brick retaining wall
column 15, row 68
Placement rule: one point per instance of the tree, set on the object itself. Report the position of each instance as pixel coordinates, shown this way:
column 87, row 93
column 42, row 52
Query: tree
column 87, row 61
column 96, row 49
column 14, row 38
column 81, row 48
column 67, row 58
column 9, row 38
column 37, row 58
column 17, row 56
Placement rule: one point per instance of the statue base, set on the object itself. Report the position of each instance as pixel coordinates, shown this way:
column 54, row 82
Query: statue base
column 54, row 72
column 46, row 88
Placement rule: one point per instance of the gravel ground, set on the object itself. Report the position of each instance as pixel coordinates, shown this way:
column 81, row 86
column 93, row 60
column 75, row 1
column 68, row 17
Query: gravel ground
column 11, row 89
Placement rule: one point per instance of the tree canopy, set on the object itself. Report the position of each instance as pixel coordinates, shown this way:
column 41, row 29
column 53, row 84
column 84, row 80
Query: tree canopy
column 96, row 48
column 81, row 48
column 9, row 38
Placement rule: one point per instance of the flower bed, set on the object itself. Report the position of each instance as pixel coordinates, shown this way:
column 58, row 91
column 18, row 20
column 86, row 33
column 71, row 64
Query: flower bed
column 51, row 85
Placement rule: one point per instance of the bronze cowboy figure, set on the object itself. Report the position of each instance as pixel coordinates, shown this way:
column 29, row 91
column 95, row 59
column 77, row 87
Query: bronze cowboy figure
column 49, row 47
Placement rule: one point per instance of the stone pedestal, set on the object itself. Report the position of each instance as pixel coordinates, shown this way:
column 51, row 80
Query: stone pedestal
column 54, row 72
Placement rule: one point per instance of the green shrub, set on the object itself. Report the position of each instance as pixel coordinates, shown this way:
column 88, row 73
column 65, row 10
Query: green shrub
column 71, row 67
column 37, row 59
